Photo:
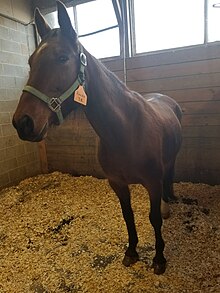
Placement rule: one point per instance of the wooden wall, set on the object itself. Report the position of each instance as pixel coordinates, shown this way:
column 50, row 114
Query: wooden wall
column 192, row 77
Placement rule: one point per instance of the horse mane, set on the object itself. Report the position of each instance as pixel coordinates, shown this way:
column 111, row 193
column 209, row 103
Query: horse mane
column 108, row 76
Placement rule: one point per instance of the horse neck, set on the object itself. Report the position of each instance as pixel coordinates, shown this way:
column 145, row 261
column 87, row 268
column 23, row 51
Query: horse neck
column 107, row 100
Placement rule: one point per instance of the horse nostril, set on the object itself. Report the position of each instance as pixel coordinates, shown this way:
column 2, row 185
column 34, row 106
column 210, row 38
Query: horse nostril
column 25, row 126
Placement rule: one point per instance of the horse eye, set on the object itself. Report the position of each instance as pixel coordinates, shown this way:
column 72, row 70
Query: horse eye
column 63, row 59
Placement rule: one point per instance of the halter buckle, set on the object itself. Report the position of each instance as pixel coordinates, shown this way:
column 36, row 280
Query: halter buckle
column 54, row 104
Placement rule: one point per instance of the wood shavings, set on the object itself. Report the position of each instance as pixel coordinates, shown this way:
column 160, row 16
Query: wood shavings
column 66, row 234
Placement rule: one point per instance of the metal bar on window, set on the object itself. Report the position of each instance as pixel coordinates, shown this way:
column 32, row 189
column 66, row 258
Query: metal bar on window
column 121, row 12
column 132, row 27
column 118, row 14
column 99, row 31
column 75, row 19
column 205, row 21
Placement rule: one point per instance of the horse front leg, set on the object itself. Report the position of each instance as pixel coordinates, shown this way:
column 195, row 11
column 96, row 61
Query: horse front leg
column 123, row 193
column 156, row 193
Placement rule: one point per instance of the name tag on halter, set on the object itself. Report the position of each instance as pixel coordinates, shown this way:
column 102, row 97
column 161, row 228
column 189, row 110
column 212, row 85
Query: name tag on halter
column 80, row 96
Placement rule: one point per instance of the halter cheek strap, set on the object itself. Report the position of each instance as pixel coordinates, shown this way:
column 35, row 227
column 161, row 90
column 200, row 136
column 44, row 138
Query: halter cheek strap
column 55, row 103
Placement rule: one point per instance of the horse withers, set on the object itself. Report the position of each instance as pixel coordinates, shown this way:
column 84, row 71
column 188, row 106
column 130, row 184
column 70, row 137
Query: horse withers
column 139, row 136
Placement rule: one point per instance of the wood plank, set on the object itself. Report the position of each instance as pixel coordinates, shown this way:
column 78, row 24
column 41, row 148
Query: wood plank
column 181, row 55
column 174, row 70
column 115, row 64
column 201, row 120
column 198, row 159
column 206, row 131
column 176, row 83
column 203, row 143
column 201, row 107
column 197, row 94
column 173, row 56
column 208, row 176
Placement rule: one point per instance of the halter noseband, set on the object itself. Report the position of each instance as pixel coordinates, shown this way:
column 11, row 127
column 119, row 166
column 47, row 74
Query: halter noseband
column 55, row 103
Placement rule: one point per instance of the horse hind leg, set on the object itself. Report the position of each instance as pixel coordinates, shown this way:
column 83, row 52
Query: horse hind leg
column 155, row 193
column 168, row 193
column 123, row 193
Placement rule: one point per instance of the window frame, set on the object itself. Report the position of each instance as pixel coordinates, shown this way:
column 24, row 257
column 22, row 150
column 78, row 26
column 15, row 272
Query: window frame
column 125, row 16
column 134, row 52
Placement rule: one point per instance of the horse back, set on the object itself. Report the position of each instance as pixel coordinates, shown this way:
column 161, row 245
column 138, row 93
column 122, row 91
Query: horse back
column 164, row 102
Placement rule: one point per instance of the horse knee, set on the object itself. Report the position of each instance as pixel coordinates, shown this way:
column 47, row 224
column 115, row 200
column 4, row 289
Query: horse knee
column 165, row 209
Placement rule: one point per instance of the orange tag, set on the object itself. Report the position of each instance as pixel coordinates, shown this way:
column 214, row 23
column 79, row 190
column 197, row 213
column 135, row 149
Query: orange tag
column 80, row 96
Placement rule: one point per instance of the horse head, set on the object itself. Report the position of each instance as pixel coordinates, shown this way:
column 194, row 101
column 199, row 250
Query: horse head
column 56, row 71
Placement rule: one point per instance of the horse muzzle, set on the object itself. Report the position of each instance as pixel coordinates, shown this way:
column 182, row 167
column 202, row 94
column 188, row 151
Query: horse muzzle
column 26, row 131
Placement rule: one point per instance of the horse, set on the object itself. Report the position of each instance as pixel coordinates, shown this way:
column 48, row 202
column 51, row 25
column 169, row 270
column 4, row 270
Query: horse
column 139, row 136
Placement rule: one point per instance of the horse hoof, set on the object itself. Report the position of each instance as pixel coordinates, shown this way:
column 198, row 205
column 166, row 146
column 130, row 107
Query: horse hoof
column 159, row 268
column 129, row 260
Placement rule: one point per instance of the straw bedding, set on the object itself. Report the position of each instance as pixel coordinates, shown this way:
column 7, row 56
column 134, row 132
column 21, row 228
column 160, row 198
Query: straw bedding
column 66, row 234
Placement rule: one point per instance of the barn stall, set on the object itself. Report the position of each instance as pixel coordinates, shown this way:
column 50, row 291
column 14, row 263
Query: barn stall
column 55, row 231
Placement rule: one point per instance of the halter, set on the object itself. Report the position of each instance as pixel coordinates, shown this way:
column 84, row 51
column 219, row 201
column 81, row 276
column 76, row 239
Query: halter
column 55, row 103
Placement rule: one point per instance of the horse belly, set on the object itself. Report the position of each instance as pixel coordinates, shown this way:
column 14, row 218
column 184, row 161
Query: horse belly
column 130, row 167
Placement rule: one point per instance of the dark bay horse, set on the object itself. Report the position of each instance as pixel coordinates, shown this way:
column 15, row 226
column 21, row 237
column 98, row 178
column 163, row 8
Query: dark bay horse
column 139, row 136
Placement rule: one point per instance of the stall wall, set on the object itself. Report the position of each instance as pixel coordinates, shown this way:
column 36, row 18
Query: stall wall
column 18, row 159
column 192, row 77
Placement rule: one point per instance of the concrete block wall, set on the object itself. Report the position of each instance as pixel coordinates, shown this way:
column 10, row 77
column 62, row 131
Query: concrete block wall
column 18, row 159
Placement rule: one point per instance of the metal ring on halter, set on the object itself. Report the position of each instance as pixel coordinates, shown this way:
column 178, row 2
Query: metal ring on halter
column 83, row 59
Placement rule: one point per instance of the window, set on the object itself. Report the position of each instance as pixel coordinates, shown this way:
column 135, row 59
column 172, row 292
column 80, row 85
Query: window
column 151, row 25
column 164, row 24
column 213, row 21
column 95, row 16
column 96, row 25
column 53, row 19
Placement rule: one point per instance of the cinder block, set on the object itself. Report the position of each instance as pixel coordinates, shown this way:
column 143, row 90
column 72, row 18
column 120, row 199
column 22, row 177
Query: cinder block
column 4, row 33
column 30, row 147
column 8, row 82
column 13, row 95
column 10, row 46
column 4, row 180
column 8, row 106
column 18, row 36
column 20, row 27
column 8, row 129
column 33, row 168
column 1, row 67
column 2, row 155
column 12, row 70
column 20, row 82
column 2, row 95
column 25, row 159
column 8, row 164
column 9, row 141
column 17, row 174
column 4, row 118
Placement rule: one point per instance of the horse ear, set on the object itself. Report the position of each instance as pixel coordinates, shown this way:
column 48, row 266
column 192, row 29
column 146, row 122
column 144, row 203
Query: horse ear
column 43, row 27
column 64, row 21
